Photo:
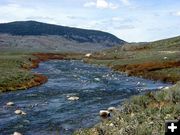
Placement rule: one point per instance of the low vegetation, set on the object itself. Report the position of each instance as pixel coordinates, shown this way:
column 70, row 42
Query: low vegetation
column 157, row 60
column 12, row 75
column 143, row 114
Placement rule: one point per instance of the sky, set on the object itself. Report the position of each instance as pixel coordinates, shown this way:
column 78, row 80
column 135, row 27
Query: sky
column 130, row 20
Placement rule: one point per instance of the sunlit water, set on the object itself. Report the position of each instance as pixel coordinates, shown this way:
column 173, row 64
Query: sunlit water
column 50, row 112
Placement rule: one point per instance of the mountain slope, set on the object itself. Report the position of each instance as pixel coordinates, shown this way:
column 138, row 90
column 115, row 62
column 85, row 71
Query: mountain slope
column 33, row 28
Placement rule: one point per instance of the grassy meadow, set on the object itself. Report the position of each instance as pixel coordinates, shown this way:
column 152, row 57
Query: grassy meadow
column 11, row 72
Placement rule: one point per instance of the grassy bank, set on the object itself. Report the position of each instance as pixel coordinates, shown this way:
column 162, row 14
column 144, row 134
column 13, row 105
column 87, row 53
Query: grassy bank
column 141, row 115
column 12, row 74
column 158, row 60
column 15, row 69
column 145, row 114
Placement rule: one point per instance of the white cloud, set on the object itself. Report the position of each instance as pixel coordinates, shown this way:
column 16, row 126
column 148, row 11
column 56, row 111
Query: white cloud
column 116, row 18
column 102, row 4
column 125, row 2
column 89, row 4
column 113, row 6
column 177, row 13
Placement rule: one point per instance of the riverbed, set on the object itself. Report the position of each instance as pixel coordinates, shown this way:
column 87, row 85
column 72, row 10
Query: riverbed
column 47, row 106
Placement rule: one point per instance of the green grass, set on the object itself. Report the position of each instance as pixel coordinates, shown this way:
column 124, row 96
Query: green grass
column 11, row 72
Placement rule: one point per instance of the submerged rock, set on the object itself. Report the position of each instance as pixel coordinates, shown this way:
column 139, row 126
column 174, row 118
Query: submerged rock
column 10, row 103
column 97, row 79
column 104, row 113
column 26, row 121
column 23, row 113
column 138, row 83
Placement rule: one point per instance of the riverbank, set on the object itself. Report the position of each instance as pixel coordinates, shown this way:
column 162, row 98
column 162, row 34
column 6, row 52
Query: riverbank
column 141, row 114
column 144, row 114
column 15, row 69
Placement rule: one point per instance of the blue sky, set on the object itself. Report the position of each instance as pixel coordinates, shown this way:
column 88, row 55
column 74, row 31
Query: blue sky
column 131, row 20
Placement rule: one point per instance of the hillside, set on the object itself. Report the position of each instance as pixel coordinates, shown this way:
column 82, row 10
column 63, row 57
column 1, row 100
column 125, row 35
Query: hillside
column 157, row 60
column 48, row 37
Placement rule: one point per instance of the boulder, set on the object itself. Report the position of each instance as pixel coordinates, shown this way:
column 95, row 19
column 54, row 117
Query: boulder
column 166, row 88
column 160, row 87
column 88, row 55
column 10, row 103
column 112, row 109
column 17, row 133
column 19, row 112
column 104, row 113
column 111, row 125
column 73, row 98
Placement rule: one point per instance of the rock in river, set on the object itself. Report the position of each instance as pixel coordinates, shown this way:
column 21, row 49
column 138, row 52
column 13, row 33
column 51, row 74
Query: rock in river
column 104, row 113
column 73, row 98
column 17, row 133
column 111, row 109
column 88, row 55
column 10, row 103
column 19, row 112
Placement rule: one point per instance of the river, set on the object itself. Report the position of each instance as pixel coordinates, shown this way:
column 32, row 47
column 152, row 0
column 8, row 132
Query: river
column 49, row 112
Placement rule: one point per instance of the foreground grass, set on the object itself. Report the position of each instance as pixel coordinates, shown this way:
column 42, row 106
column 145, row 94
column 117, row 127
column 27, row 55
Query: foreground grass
column 141, row 115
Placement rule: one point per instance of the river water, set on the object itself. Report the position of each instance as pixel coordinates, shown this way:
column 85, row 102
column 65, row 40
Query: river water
column 49, row 112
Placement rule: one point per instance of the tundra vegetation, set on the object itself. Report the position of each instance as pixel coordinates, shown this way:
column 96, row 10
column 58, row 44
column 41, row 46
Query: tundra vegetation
column 144, row 114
